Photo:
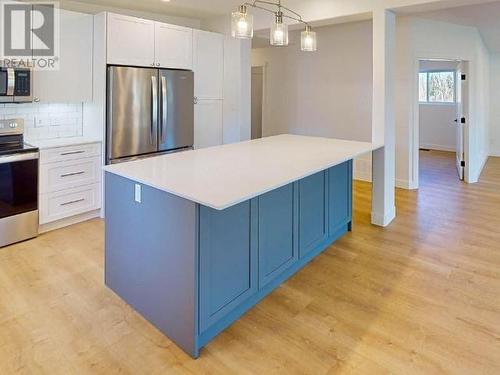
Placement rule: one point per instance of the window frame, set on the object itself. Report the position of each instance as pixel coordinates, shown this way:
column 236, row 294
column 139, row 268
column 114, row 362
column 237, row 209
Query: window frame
column 427, row 72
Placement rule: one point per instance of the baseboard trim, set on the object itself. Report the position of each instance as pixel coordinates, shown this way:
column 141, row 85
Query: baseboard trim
column 58, row 224
column 383, row 220
column 474, row 179
column 438, row 147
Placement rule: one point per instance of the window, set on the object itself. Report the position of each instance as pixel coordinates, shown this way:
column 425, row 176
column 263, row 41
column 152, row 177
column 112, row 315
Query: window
column 437, row 87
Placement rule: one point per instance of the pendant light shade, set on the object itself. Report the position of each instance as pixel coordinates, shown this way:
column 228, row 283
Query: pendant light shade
column 279, row 31
column 242, row 24
column 308, row 41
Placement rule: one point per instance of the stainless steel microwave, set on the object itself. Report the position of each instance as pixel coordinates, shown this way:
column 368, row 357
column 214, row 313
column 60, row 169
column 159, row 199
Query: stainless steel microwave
column 16, row 84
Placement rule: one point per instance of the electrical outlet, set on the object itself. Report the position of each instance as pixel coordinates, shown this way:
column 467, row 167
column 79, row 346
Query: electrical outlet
column 138, row 193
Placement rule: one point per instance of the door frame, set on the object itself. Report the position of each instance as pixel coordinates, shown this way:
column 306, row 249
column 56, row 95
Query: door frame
column 415, row 123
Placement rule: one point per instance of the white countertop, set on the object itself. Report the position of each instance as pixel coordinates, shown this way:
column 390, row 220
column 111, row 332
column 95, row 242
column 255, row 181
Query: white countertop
column 222, row 176
column 61, row 142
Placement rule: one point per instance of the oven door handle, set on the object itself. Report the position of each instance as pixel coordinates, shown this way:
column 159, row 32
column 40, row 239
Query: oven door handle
column 11, row 81
column 18, row 157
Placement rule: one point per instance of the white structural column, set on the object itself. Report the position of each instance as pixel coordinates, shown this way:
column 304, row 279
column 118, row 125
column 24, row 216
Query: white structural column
column 383, row 126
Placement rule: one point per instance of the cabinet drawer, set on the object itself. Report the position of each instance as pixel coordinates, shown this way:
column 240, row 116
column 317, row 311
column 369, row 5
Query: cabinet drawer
column 69, row 174
column 62, row 204
column 53, row 155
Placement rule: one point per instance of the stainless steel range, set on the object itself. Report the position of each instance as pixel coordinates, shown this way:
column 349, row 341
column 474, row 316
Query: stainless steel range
column 18, row 184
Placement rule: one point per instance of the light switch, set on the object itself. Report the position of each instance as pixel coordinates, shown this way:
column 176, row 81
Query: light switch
column 138, row 193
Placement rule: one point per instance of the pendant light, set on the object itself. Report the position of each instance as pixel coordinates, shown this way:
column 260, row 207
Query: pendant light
column 242, row 23
column 308, row 41
column 279, row 31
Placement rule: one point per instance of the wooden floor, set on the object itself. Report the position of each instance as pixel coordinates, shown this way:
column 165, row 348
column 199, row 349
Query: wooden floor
column 420, row 297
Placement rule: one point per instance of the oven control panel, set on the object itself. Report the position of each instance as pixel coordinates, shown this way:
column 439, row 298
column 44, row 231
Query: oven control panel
column 11, row 126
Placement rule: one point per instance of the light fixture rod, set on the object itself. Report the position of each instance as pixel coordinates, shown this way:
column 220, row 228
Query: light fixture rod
column 294, row 15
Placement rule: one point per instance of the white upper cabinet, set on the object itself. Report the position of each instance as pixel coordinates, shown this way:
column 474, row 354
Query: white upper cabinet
column 173, row 46
column 130, row 40
column 72, row 82
column 208, row 65
column 138, row 42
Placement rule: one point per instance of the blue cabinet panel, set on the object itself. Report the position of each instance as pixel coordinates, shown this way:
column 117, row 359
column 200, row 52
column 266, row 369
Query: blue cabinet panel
column 228, row 267
column 277, row 243
column 312, row 212
column 339, row 196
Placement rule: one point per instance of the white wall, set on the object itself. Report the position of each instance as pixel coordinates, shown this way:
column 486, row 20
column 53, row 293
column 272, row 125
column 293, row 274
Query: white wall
column 495, row 105
column 425, row 39
column 327, row 93
column 437, row 126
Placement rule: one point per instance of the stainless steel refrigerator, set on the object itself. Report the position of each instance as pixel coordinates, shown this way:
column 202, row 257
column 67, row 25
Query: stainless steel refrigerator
column 149, row 111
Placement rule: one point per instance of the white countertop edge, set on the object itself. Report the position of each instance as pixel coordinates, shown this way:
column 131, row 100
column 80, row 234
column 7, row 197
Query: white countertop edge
column 44, row 144
column 246, row 198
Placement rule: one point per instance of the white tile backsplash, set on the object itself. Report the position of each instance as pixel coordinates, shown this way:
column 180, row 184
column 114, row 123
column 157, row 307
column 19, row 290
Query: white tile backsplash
column 47, row 121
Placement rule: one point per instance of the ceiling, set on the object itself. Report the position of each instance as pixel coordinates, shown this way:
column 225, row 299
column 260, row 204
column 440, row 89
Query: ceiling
column 182, row 8
column 485, row 17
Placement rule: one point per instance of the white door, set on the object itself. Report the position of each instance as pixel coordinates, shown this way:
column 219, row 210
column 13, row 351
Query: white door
column 461, row 120
column 130, row 40
column 173, row 46
column 208, row 64
column 207, row 123
column 72, row 81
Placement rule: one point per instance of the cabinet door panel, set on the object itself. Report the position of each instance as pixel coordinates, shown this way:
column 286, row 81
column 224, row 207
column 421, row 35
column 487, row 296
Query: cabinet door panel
column 173, row 46
column 207, row 123
column 312, row 212
column 340, row 196
column 277, row 250
column 228, row 269
column 72, row 81
column 208, row 65
column 131, row 41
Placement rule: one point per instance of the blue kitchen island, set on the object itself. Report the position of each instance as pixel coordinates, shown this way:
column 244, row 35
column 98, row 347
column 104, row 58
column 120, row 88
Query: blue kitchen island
column 194, row 240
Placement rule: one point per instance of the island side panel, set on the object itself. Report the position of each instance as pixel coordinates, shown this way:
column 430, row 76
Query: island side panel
column 151, row 257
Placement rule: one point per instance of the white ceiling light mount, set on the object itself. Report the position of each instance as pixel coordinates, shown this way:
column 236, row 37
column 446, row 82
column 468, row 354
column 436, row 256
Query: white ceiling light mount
column 242, row 24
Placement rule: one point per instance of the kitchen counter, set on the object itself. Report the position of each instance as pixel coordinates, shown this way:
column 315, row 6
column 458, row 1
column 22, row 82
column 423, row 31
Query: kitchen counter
column 43, row 144
column 220, row 177
column 195, row 239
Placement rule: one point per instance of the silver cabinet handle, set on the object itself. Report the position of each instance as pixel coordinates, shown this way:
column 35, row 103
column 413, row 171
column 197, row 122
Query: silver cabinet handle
column 164, row 109
column 72, row 153
column 154, row 108
column 72, row 174
column 195, row 100
column 72, row 202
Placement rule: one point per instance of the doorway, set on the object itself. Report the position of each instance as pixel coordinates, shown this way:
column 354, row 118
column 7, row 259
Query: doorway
column 441, row 115
column 257, row 101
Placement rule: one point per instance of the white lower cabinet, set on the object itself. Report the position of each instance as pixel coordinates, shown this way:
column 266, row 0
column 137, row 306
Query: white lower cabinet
column 70, row 202
column 207, row 123
column 70, row 182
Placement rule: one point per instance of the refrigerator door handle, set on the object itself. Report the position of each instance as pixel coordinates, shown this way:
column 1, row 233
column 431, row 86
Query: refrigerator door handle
column 164, row 110
column 154, row 108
